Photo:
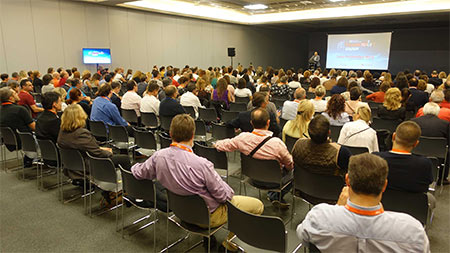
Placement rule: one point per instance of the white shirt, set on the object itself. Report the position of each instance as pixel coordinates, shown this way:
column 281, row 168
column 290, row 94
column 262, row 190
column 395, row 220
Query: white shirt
column 117, row 77
column 242, row 93
column 323, row 79
column 294, row 84
column 131, row 100
column 190, row 99
column 50, row 87
column 319, row 105
column 340, row 121
column 289, row 111
column 359, row 134
column 176, row 77
column 150, row 104
column 429, row 88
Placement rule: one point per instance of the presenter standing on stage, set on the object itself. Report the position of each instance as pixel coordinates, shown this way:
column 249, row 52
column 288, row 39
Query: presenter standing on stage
column 314, row 61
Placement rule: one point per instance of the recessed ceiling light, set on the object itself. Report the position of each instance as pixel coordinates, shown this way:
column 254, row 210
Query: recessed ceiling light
column 256, row 6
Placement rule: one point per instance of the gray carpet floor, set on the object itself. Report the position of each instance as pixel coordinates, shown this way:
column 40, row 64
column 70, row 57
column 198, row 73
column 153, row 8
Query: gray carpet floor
column 32, row 220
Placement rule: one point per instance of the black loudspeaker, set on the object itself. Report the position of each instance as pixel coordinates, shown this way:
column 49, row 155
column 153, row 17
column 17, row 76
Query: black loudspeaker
column 231, row 52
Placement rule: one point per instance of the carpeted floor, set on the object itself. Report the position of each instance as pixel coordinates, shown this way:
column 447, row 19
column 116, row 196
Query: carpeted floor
column 35, row 221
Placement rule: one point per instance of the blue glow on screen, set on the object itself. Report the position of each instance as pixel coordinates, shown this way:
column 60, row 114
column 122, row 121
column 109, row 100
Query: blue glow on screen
column 96, row 56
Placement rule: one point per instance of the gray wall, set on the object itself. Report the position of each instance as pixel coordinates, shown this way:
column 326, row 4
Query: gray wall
column 36, row 34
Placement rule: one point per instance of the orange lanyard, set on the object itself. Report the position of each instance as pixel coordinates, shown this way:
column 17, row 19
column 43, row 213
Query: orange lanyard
column 174, row 144
column 400, row 151
column 255, row 133
column 7, row 103
column 107, row 98
column 364, row 212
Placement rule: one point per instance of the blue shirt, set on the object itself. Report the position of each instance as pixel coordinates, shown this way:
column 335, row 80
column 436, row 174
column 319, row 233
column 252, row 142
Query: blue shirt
column 67, row 97
column 104, row 110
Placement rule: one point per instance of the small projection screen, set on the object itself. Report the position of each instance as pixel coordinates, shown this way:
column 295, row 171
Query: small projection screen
column 96, row 56
column 359, row 51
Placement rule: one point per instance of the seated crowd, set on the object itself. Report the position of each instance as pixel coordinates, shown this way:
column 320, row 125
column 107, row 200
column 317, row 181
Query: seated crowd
column 307, row 106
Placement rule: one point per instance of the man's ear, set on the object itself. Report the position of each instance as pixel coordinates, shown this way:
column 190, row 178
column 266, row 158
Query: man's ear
column 393, row 136
column 347, row 181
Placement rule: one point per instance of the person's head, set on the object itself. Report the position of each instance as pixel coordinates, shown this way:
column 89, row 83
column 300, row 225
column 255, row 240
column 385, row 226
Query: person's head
column 153, row 88
column 191, row 87
column 417, row 73
column 155, row 74
column 314, row 82
column 61, row 92
column 73, row 118
column 315, row 53
column 260, row 119
column 166, row 82
column 51, row 100
column 307, row 74
column 447, row 95
column 15, row 76
column 319, row 129
column 368, row 77
column 171, row 91
column 104, row 90
column 362, row 113
column 413, row 82
column 76, row 83
column 4, row 77
column 336, row 106
column 431, row 108
column 183, row 80
column 96, row 77
column 182, row 128
column 437, row 96
column 15, row 86
column 131, row 85
column 320, row 91
column 76, row 75
column 36, row 74
column 342, row 82
column 75, row 96
column 242, row 83
column 26, row 85
column 393, row 99
column 284, row 79
column 355, row 93
column 116, row 86
column 221, row 86
column 305, row 112
column 260, row 99
column 422, row 85
column 108, row 78
column 46, row 79
column 300, row 93
column 407, row 135
column 442, row 75
column 8, row 95
column 385, row 86
column 367, row 175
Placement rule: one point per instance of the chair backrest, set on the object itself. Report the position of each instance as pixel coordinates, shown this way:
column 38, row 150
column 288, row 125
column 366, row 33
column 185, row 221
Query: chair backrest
column 200, row 128
column 260, row 231
column 412, row 203
column 130, row 115
column 319, row 186
column 102, row 169
column 290, row 142
column 137, row 189
column 268, row 171
column 49, row 151
column 164, row 141
column 432, row 146
column 357, row 150
column 374, row 105
column 310, row 95
column 8, row 136
column 71, row 159
column 335, row 131
column 190, row 110
column 435, row 168
column 220, row 132
column 165, row 122
column 98, row 129
column 229, row 115
column 191, row 209
column 149, row 119
column 238, row 107
column 388, row 124
column 144, row 139
column 244, row 100
column 218, row 158
column 28, row 141
column 207, row 114
column 118, row 133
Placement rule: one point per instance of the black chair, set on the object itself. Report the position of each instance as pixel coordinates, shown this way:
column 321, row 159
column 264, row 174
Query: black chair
column 238, row 107
column 200, row 130
column 119, row 138
column 221, row 131
column 10, row 139
column 310, row 95
column 192, row 215
column 388, row 124
column 190, row 110
column 374, row 105
column 414, row 204
column 149, row 119
column 435, row 173
column 207, row 114
column 99, row 131
column 335, row 131
column 383, row 137
column 357, row 150
column 164, row 141
column 228, row 116
column 165, row 122
column 143, row 190
column 218, row 158
column 29, row 145
column 130, row 116
column 144, row 140
column 263, row 232
column 50, row 158
column 290, row 142
column 243, row 100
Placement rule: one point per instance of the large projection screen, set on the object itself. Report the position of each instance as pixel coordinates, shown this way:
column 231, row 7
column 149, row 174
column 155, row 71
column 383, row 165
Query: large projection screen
column 359, row 51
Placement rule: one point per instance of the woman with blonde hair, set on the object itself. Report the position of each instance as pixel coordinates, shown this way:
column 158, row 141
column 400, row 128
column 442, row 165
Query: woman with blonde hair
column 62, row 93
column 358, row 133
column 86, row 86
column 298, row 127
column 392, row 105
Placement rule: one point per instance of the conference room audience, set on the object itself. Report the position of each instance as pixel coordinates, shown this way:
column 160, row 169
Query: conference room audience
column 358, row 132
column 262, row 144
column 289, row 110
column 221, row 93
column 131, row 100
column 320, row 105
column 359, row 219
column 437, row 97
column 335, row 112
column 392, row 106
column 189, row 98
column 169, row 106
column 47, row 84
column 330, row 83
column 341, row 86
column 104, row 110
column 150, row 103
column 378, row 96
column 48, row 122
column 298, row 127
column 280, row 89
column 408, row 172
column 26, row 99
column 418, row 98
column 355, row 101
column 182, row 172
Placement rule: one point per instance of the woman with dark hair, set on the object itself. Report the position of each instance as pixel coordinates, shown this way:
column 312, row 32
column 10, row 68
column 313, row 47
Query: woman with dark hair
column 368, row 82
column 314, row 83
column 406, row 102
column 335, row 112
column 47, row 83
column 75, row 97
column 340, row 87
column 242, row 91
column 401, row 82
column 37, row 82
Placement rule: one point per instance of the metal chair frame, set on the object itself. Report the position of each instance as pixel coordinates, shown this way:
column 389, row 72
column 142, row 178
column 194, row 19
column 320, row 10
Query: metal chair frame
column 49, row 152
column 130, row 116
column 11, row 139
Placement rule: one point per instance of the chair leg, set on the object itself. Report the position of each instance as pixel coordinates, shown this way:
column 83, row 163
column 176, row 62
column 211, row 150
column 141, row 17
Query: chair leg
column 292, row 210
column 123, row 218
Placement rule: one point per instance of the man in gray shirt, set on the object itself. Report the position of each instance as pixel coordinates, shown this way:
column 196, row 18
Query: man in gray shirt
column 358, row 222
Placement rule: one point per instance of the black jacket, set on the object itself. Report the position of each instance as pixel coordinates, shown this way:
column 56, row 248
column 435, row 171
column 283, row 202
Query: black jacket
column 418, row 98
column 47, row 126
column 170, row 107
column 243, row 122
column 432, row 126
